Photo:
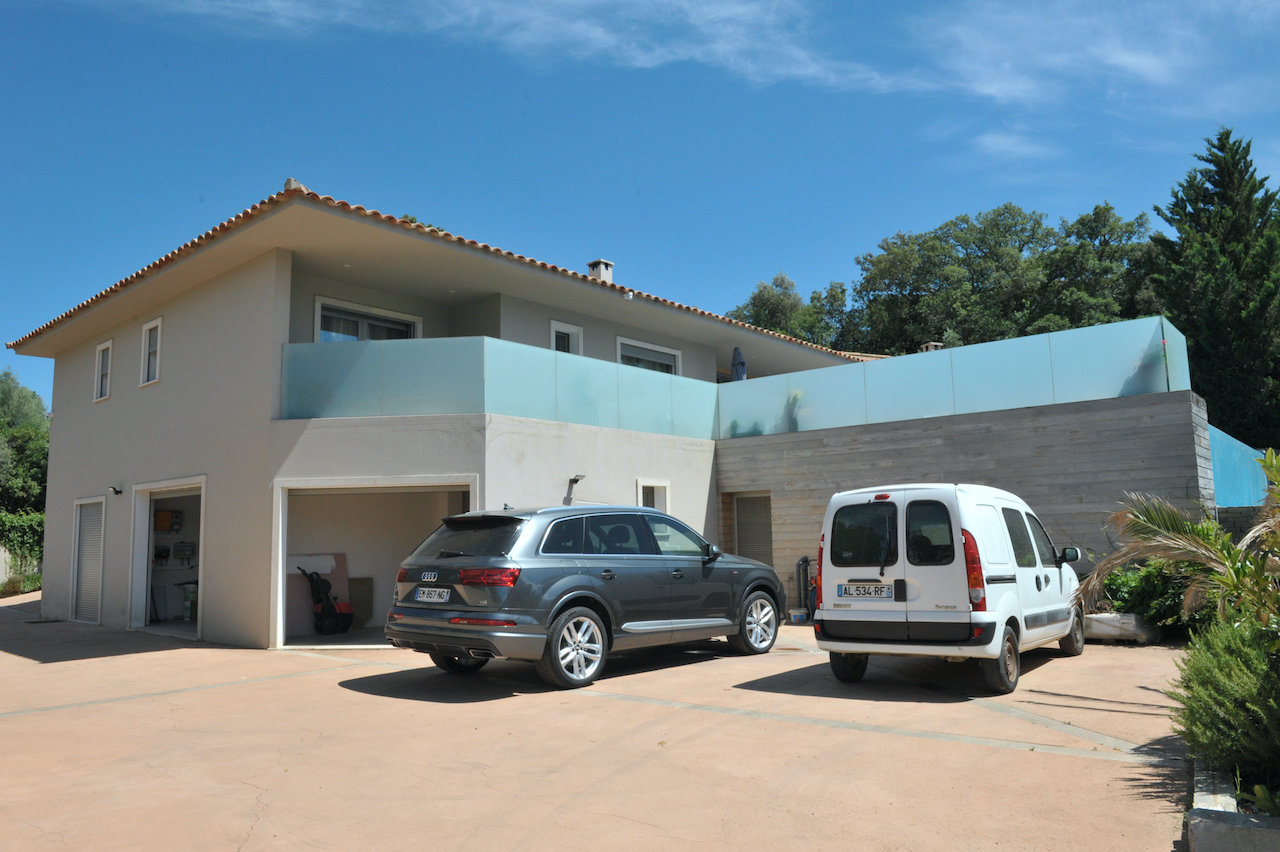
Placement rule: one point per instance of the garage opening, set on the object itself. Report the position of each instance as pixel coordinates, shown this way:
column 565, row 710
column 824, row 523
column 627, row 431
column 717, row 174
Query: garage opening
column 354, row 540
column 173, row 575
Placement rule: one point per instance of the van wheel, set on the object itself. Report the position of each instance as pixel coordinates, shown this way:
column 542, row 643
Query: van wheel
column 758, row 626
column 1002, row 673
column 457, row 665
column 576, row 649
column 1073, row 643
column 849, row 668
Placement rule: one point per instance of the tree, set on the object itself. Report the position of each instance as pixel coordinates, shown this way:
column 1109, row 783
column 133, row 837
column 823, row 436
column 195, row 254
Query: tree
column 1219, row 276
column 24, row 446
column 20, row 406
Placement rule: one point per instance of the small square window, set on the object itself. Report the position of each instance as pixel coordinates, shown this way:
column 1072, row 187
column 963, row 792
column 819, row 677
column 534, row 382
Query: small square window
column 150, row 352
column 566, row 338
column 102, row 372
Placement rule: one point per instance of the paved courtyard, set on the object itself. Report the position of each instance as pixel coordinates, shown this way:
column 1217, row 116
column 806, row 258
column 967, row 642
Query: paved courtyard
column 125, row 740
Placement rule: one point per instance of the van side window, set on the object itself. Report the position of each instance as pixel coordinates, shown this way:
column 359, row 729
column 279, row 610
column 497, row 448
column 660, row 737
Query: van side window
column 1048, row 556
column 929, row 540
column 1023, row 553
column 565, row 536
column 865, row 535
column 617, row 534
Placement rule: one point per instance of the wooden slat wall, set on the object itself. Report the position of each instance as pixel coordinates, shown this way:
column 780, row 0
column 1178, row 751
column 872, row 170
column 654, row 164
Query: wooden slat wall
column 1072, row 463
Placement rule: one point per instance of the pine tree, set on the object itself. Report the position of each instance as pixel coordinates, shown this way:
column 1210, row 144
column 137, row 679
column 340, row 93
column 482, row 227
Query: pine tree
column 1219, row 278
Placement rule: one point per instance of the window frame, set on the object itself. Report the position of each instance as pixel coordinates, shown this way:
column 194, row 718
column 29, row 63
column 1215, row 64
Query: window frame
column 640, row 344
column 575, row 336
column 661, row 493
column 157, row 324
column 367, row 310
column 108, row 346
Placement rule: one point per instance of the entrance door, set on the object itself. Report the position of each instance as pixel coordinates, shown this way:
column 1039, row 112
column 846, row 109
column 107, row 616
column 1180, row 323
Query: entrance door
column 89, row 517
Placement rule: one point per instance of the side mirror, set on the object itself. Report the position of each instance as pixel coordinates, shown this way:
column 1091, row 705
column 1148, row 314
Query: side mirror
column 1069, row 554
column 713, row 553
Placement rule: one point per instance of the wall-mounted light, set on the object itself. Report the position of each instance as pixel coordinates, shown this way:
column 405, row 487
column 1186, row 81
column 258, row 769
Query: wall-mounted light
column 573, row 480
column 115, row 491
column 629, row 295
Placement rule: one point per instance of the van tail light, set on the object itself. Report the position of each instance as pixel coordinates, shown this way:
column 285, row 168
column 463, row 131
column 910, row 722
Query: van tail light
column 488, row 576
column 817, row 602
column 973, row 568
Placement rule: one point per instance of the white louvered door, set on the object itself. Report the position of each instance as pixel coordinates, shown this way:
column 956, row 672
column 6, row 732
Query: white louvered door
column 88, row 560
column 753, row 517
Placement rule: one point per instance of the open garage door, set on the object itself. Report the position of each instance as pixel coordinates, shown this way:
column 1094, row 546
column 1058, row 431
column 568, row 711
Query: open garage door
column 354, row 539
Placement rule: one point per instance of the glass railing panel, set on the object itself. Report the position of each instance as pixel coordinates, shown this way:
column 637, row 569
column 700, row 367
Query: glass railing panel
column 435, row 375
column 693, row 408
column 520, row 381
column 331, row 380
column 1005, row 374
column 753, row 407
column 826, row 398
column 586, row 391
column 1175, row 353
column 1108, row 361
column 644, row 400
column 909, row 387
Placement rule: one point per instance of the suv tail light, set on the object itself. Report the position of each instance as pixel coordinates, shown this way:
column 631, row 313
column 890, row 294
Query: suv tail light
column 488, row 576
column 817, row 601
column 402, row 576
column 973, row 568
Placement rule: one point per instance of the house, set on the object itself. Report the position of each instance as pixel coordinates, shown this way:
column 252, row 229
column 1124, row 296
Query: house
column 315, row 385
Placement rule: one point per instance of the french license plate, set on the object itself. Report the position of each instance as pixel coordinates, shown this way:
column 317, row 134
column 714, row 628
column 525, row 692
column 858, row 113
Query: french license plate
column 865, row 590
column 431, row 595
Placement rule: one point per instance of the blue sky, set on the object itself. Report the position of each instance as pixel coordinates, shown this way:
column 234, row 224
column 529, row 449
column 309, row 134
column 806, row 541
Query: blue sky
column 701, row 145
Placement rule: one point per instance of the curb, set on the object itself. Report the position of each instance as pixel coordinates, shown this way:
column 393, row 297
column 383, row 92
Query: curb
column 1214, row 823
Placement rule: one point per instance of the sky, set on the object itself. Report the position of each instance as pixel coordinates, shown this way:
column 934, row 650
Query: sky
column 700, row 145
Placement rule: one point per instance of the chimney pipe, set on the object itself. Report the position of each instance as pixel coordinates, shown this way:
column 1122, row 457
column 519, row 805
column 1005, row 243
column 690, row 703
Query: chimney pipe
column 602, row 269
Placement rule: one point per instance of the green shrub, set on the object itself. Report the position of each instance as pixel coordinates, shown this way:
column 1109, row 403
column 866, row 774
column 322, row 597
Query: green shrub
column 1228, row 696
column 22, row 534
column 1155, row 592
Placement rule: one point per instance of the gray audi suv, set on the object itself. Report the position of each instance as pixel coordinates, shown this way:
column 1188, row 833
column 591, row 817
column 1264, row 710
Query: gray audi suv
column 565, row 586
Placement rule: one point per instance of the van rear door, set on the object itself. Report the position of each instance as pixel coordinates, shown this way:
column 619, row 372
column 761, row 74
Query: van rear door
column 863, row 580
column 937, row 586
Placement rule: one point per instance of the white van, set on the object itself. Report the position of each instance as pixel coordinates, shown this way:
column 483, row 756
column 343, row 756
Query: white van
column 952, row 571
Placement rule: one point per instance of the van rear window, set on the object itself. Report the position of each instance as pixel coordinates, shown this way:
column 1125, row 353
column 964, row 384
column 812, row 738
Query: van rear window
column 929, row 540
column 865, row 535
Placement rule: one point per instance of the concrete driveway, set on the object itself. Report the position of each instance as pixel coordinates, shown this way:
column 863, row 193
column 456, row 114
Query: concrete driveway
column 124, row 740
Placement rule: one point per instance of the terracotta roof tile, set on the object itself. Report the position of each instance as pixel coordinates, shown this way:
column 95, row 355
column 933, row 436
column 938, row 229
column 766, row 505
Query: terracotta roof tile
column 303, row 193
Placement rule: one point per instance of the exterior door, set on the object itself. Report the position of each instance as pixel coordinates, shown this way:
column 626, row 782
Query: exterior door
column 619, row 552
column 1057, row 613
column 1032, row 596
column 88, row 576
column 700, row 593
column 864, row 578
column 753, row 528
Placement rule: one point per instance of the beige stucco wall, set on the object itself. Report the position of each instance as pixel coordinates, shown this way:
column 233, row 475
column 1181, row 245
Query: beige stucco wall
column 209, row 414
column 530, row 323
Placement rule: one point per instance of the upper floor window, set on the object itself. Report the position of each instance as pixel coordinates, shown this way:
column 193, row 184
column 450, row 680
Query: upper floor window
column 102, row 372
column 151, row 352
column 343, row 321
column 566, row 337
column 648, row 356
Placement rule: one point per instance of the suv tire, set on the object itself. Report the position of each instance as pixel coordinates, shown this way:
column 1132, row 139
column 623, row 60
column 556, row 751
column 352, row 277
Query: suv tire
column 1073, row 643
column 757, row 626
column 457, row 665
column 849, row 668
column 577, row 646
column 1002, row 673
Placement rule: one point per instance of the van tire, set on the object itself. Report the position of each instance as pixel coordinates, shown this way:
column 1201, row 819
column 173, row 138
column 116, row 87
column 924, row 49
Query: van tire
column 849, row 668
column 1073, row 643
column 1002, row 673
column 457, row 665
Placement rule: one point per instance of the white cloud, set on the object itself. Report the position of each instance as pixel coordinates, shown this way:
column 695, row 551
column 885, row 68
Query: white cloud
column 1013, row 145
column 764, row 41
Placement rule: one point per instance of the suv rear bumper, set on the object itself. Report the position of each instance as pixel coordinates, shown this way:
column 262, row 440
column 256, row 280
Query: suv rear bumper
column 517, row 643
column 870, row 637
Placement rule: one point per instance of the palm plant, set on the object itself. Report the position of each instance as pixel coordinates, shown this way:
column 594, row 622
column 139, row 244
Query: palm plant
column 1246, row 575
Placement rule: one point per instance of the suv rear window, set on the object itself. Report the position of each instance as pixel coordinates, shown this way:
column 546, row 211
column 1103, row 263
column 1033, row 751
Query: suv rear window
column 929, row 540
column 1023, row 554
column 865, row 534
column 484, row 536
